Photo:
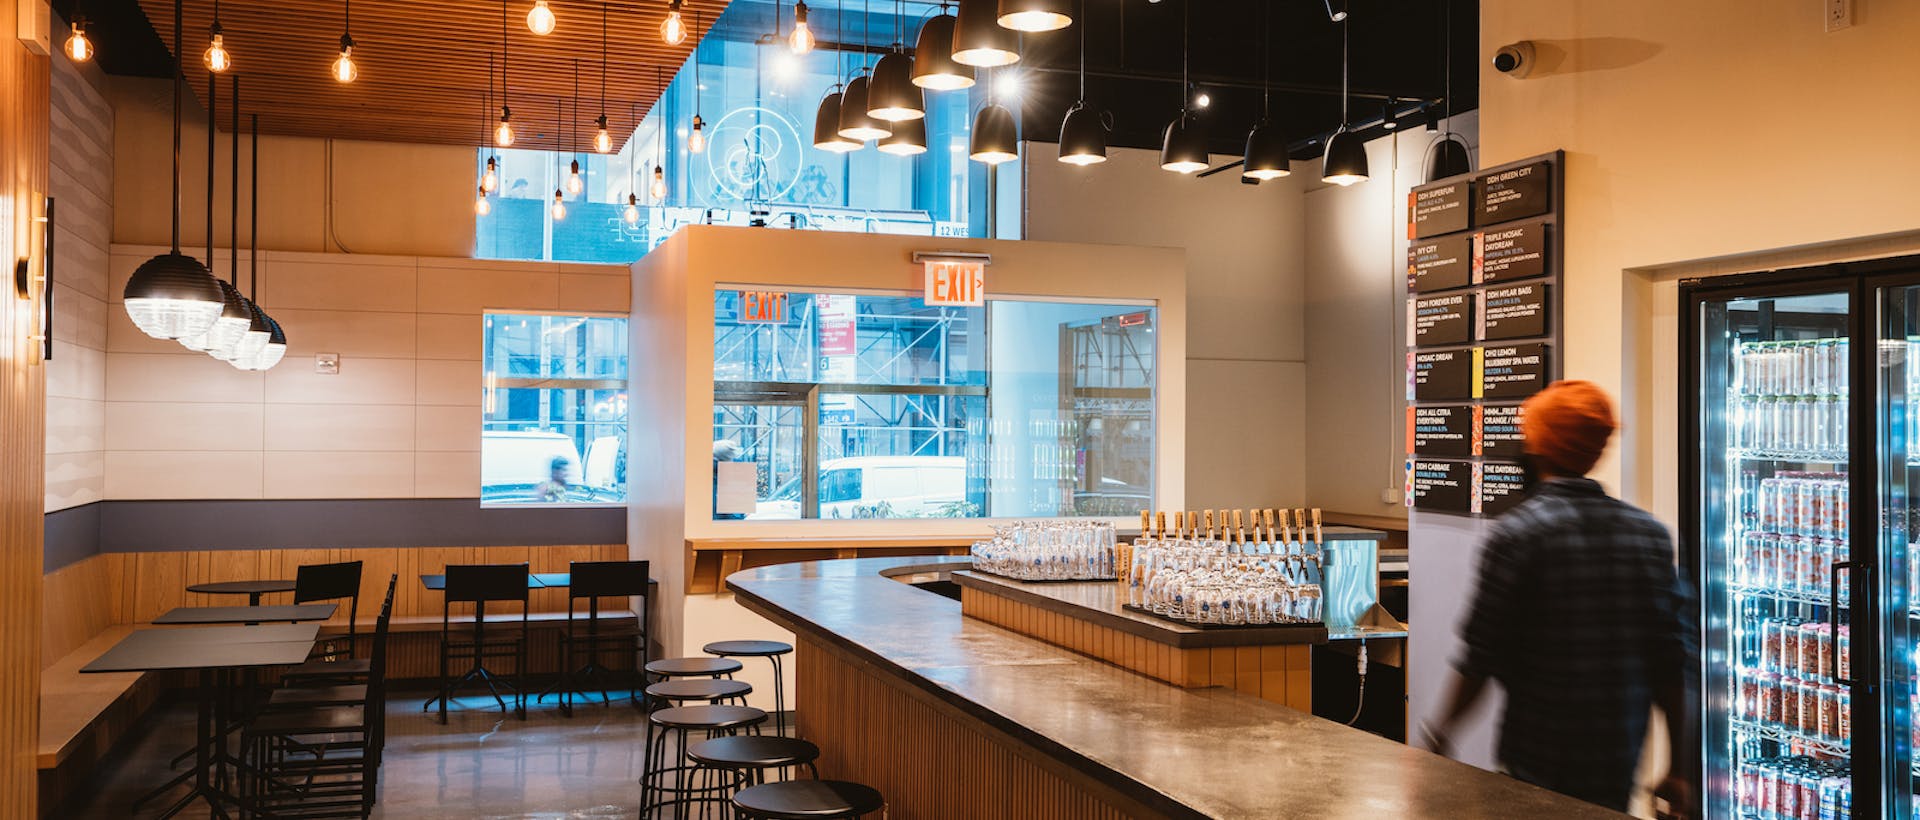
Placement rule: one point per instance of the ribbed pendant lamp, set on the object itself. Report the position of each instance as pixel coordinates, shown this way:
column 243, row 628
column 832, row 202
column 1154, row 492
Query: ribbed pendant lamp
column 1345, row 160
column 1266, row 154
column 978, row 39
column 1083, row 135
column 172, row 295
column 1183, row 145
column 1035, row 15
column 933, row 66
column 909, row 137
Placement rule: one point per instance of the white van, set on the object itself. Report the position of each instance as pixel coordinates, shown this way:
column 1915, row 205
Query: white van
column 857, row 487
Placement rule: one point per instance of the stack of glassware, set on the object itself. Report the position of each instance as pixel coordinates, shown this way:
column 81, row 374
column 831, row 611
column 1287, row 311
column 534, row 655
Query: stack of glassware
column 1228, row 577
column 1049, row 550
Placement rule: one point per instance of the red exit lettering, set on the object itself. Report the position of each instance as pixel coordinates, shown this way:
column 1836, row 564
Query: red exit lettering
column 763, row 306
column 956, row 284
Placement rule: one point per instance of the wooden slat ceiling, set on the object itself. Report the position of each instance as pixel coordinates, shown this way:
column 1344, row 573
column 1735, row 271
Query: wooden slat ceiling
column 423, row 66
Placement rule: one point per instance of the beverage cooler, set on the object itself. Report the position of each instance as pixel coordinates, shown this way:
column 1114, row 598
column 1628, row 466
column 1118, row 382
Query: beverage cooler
column 1802, row 410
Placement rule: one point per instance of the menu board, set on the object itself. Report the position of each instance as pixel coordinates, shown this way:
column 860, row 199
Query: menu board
column 1440, row 209
column 1516, row 193
column 1506, row 254
column 1442, row 486
column 1440, row 264
column 1444, row 375
column 1440, row 320
column 1441, row 431
column 1499, row 486
column 1512, row 312
column 1514, row 372
column 1497, row 430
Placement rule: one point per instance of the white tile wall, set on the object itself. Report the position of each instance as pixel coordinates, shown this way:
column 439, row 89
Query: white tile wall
column 341, row 474
column 183, row 426
column 183, row 475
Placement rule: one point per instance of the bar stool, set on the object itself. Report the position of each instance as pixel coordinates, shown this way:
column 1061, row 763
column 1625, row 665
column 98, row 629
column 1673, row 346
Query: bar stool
column 808, row 800
column 672, row 725
column 700, row 690
column 666, row 669
column 771, row 650
column 753, row 755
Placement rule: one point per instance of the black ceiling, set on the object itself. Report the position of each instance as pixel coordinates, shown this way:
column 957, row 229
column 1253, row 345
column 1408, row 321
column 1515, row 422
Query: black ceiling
column 1134, row 54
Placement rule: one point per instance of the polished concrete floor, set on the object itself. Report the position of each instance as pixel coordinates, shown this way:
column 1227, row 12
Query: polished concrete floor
column 479, row 765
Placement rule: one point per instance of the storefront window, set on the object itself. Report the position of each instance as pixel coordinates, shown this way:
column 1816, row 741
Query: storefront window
column 879, row 406
column 554, row 410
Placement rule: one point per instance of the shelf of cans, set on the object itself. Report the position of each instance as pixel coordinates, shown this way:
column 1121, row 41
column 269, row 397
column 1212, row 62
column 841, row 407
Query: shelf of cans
column 1794, row 787
column 1793, row 694
column 1792, row 529
column 1789, row 400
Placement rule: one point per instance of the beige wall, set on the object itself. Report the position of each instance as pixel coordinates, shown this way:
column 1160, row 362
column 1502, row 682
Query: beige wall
column 1247, row 347
column 400, row 420
column 81, row 180
column 336, row 195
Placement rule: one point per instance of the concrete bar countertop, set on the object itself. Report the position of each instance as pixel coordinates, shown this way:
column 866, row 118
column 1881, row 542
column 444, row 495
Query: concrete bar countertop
column 1184, row 752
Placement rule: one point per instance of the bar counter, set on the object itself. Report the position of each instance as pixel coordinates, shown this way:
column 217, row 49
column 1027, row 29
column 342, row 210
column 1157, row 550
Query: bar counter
column 950, row 716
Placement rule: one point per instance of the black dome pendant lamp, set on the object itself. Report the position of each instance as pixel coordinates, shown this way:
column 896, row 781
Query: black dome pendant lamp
column 891, row 95
column 1083, row 135
column 996, row 136
column 978, row 39
column 1266, row 155
column 173, row 296
column 826, row 119
column 1183, row 145
column 1448, row 156
column 1035, row 15
column 1345, row 161
column 909, row 138
column 855, row 122
column 933, row 65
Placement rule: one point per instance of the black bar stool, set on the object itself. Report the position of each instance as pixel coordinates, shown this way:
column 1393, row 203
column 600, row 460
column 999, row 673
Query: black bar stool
column 771, row 650
column 808, row 800
column 681, row 691
column 753, row 756
column 678, row 781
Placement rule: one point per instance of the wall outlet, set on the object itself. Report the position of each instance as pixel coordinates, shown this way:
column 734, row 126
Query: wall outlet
column 1838, row 13
column 326, row 364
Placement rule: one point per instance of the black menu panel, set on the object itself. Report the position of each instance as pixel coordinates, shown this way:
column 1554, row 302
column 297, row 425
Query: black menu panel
column 1506, row 254
column 1440, row 209
column 1443, row 375
column 1502, row 485
column 1443, row 431
column 1443, row 486
column 1513, row 312
column 1442, row 320
column 1499, row 430
column 1517, row 193
column 1440, row 264
column 1514, row 372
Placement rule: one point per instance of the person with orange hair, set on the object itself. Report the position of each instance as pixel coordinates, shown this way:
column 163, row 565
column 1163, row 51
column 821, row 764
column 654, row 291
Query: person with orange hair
column 1583, row 620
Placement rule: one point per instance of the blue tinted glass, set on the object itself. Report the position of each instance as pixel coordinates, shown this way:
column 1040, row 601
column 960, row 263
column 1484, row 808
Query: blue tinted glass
column 553, row 409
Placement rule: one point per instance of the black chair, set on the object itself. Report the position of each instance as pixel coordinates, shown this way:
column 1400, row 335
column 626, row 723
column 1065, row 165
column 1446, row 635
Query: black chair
column 590, row 638
column 480, row 585
column 332, row 582
column 808, row 800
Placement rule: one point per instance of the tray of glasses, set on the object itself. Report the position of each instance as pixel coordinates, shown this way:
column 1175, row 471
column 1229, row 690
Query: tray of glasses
column 1211, row 626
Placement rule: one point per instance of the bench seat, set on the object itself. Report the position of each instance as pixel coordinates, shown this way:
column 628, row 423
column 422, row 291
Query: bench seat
column 82, row 715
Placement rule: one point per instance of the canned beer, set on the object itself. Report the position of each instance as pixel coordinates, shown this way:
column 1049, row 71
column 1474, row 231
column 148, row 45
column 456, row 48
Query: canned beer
column 1770, row 644
column 1841, row 654
column 1789, row 704
column 1768, row 688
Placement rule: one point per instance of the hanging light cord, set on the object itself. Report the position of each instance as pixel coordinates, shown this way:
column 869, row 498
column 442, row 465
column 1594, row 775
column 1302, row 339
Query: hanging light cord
column 253, row 230
column 603, row 59
column 1266, row 62
column 1082, row 21
column 179, row 72
column 1186, row 54
column 1346, row 68
column 503, row 57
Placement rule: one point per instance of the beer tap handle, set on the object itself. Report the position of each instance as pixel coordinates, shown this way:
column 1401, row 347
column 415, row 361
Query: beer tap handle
column 1179, row 524
column 1209, row 518
column 1146, row 524
column 1160, row 526
column 1316, row 528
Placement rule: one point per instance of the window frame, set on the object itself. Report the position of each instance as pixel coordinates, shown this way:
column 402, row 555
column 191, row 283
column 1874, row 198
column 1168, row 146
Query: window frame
column 489, row 384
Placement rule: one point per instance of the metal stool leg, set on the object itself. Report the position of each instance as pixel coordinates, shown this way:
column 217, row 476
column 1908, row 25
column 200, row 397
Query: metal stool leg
column 779, row 697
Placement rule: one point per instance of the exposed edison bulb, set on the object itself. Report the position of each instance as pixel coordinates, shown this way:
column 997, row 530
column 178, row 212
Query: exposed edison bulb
column 503, row 133
column 491, row 179
column 632, row 214
column 574, row 183
column 801, row 41
column 659, row 189
column 559, row 205
column 540, row 18
column 697, row 138
column 481, row 206
column 79, row 48
column 603, row 141
column 673, row 29
column 343, row 68
column 218, row 59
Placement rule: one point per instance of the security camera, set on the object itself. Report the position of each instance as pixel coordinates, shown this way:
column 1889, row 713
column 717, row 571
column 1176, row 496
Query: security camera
column 1514, row 60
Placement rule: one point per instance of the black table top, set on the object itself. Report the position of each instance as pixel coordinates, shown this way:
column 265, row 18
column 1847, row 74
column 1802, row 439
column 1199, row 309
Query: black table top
column 242, row 587
column 437, row 581
column 246, row 614
column 214, row 647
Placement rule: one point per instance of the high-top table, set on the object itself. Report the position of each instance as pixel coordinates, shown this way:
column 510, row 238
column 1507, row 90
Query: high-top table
column 207, row 651
column 252, row 589
column 210, row 615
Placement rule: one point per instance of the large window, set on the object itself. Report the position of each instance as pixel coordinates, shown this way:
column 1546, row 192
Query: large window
column 555, row 409
column 879, row 406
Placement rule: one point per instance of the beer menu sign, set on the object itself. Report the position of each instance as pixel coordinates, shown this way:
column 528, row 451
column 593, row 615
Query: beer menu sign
column 1482, row 329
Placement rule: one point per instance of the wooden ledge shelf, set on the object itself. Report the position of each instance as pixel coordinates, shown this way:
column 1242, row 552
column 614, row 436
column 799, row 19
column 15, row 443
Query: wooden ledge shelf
column 711, row 560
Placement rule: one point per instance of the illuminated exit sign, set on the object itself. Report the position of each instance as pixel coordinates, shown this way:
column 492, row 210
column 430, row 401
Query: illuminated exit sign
column 956, row 282
column 765, row 306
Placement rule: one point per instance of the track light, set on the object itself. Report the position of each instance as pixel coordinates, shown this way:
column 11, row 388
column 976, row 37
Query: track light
column 1336, row 16
column 1266, row 156
column 481, row 206
column 1083, row 136
column 79, row 48
column 978, row 39
column 673, row 29
column 801, row 41
column 1345, row 161
column 559, row 209
column 1387, row 119
column 1035, row 15
column 697, row 135
column 891, row 95
column 909, row 137
column 659, row 189
column 933, row 65
column 826, row 127
column 574, row 183
column 855, row 122
column 343, row 68
column 216, row 56
column 632, row 213
column 540, row 18
column 996, row 137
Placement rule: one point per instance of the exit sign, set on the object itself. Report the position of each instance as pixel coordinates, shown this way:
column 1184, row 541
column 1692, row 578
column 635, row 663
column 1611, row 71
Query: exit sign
column 764, row 306
column 956, row 282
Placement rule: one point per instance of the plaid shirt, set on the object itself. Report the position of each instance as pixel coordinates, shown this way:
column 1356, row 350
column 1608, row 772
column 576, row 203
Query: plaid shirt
column 1578, row 615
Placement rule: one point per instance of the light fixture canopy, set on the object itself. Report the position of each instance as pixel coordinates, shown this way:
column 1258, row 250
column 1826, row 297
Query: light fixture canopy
column 855, row 122
column 1035, row 15
column 826, row 127
column 933, row 66
column 891, row 94
column 909, row 137
column 801, row 41
column 1083, row 135
column 540, row 19
column 673, row 30
column 1387, row 118
column 1183, row 145
column 1345, row 160
column 1266, row 156
column 79, row 49
column 978, row 39
column 996, row 137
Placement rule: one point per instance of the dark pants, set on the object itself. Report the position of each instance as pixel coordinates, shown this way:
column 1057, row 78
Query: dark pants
column 1594, row 787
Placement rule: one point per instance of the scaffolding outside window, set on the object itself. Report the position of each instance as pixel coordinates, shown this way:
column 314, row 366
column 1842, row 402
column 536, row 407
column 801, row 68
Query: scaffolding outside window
column 554, row 409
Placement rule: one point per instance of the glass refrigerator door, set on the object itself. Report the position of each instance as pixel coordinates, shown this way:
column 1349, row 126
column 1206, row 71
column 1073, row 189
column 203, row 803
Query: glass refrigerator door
column 1895, row 583
column 1774, row 499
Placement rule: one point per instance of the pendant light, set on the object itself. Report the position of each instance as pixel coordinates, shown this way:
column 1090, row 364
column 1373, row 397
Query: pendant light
column 659, row 189
column 978, row 39
column 79, row 49
column 235, row 312
column 275, row 349
column 1083, row 135
column 909, row 137
column 996, row 137
column 540, row 19
column 673, row 30
column 490, row 178
column 252, row 334
column 559, row 209
column 632, row 212
column 801, row 41
column 1183, row 145
column 891, row 95
column 1447, row 156
column 343, row 68
column 1034, row 15
column 602, row 138
column 216, row 56
column 933, row 65
column 696, row 134
column 826, row 119
column 1266, row 156
column 855, row 121
column 574, row 183
column 172, row 295
column 503, row 133
column 1345, row 160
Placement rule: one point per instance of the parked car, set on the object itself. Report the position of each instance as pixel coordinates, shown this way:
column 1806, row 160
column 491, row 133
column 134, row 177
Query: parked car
column 877, row 487
column 514, row 463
